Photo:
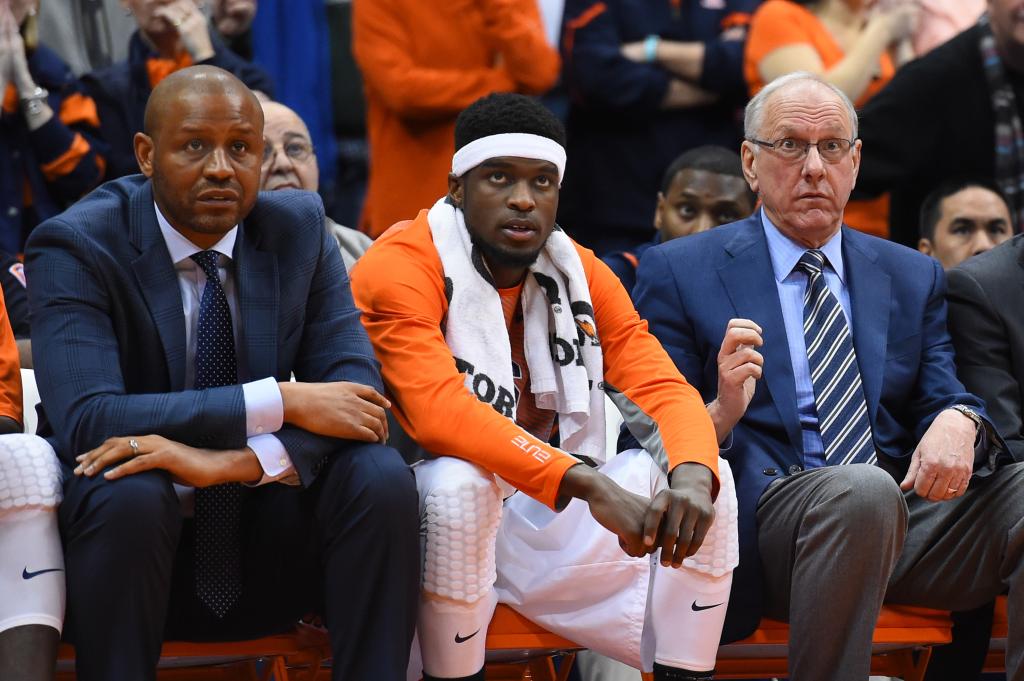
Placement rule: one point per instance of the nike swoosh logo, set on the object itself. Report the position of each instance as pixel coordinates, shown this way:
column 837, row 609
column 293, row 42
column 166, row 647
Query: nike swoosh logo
column 460, row 639
column 698, row 608
column 25, row 574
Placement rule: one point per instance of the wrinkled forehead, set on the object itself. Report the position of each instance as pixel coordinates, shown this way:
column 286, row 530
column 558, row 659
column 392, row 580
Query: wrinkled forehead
column 807, row 110
column 279, row 122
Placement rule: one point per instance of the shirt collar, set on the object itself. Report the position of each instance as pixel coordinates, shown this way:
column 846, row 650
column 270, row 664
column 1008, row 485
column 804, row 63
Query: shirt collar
column 181, row 248
column 786, row 253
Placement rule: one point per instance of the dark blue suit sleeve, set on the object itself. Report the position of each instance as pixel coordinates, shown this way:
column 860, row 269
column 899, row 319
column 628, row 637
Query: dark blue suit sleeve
column 334, row 347
column 938, row 387
column 597, row 74
column 79, row 371
column 723, row 58
column 657, row 299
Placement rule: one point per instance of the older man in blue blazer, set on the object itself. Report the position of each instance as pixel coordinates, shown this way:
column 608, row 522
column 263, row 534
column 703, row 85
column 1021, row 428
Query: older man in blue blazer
column 207, row 496
column 865, row 471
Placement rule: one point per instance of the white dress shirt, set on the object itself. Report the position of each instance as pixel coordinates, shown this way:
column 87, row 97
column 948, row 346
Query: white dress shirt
column 264, row 406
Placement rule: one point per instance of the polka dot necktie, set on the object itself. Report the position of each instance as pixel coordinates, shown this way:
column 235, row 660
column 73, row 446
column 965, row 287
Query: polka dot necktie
column 218, row 508
column 838, row 393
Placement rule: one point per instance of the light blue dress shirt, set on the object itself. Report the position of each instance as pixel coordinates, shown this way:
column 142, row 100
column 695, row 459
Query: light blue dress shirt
column 792, row 285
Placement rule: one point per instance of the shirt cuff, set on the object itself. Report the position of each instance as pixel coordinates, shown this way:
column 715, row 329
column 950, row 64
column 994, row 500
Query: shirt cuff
column 274, row 460
column 264, row 407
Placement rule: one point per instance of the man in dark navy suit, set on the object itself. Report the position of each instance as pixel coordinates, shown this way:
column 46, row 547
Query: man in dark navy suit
column 208, row 497
column 865, row 471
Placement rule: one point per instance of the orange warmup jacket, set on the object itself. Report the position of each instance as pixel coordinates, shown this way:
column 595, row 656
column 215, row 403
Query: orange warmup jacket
column 423, row 62
column 10, row 369
column 399, row 287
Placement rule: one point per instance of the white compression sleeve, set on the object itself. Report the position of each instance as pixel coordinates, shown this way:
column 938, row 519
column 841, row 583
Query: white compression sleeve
column 31, row 569
column 31, row 557
column 687, row 606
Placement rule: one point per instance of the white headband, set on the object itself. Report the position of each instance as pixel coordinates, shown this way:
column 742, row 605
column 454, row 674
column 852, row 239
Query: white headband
column 518, row 144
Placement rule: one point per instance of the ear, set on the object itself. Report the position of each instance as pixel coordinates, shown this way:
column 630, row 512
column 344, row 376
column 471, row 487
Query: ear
column 749, row 157
column 855, row 152
column 924, row 246
column 456, row 189
column 144, row 153
column 657, row 211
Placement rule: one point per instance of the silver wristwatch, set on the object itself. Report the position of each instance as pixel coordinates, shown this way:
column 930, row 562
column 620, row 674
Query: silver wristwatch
column 32, row 103
column 971, row 414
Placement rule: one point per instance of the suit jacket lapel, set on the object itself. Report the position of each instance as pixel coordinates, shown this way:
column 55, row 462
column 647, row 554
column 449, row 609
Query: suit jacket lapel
column 750, row 282
column 159, row 282
column 869, row 287
column 258, row 300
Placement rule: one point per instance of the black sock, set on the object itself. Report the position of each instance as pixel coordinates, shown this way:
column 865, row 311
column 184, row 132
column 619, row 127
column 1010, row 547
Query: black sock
column 479, row 676
column 663, row 673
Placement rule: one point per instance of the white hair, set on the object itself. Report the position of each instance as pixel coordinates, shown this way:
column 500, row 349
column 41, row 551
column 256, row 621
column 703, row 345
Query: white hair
column 753, row 117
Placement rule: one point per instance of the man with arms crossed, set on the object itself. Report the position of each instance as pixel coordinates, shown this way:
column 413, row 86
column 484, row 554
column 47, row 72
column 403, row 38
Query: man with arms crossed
column 865, row 471
column 498, row 336
column 171, row 311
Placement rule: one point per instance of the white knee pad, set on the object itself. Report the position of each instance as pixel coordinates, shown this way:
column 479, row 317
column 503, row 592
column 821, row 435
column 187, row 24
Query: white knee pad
column 720, row 553
column 460, row 511
column 29, row 473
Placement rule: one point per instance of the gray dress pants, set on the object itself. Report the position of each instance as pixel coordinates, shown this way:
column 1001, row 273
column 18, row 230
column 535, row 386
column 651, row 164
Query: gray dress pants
column 837, row 542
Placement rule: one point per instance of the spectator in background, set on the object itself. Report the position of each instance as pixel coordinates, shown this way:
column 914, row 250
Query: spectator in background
column 849, row 44
column 943, row 19
column 941, row 117
column 703, row 188
column 93, row 34
column 233, row 20
column 963, row 219
column 423, row 62
column 49, row 154
column 647, row 81
column 289, row 162
column 170, row 36
column 344, row 201
column 87, row 34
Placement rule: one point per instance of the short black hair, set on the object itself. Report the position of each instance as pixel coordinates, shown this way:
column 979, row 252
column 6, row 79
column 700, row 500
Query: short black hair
column 931, row 207
column 504, row 112
column 710, row 158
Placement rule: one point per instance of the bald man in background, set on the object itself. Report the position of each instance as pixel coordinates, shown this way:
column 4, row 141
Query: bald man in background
column 289, row 162
column 207, row 497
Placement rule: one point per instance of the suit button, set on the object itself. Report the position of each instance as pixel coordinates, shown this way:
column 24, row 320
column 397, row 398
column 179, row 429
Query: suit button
column 794, row 469
column 770, row 471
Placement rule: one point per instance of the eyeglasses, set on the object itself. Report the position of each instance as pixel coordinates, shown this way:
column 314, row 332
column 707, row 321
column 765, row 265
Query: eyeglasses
column 831, row 150
column 297, row 150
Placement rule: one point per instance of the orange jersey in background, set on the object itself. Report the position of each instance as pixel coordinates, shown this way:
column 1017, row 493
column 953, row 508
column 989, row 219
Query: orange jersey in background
column 423, row 63
column 10, row 369
column 399, row 287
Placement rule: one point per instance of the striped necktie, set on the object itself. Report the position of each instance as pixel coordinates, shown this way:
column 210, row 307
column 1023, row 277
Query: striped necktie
column 218, row 508
column 839, row 396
